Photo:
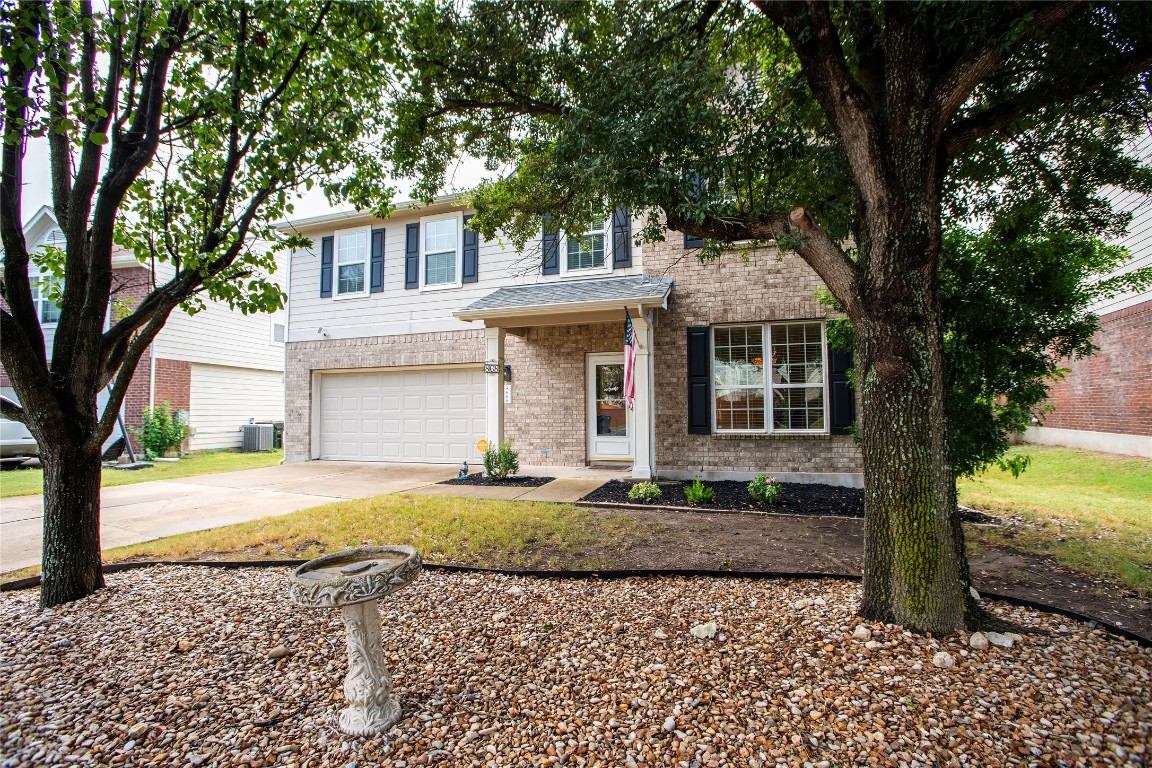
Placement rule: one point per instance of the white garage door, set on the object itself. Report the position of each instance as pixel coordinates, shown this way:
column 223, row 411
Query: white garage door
column 433, row 416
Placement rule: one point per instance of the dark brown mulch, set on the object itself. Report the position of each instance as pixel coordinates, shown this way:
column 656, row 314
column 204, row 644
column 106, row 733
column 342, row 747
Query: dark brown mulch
column 515, row 481
column 732, row 495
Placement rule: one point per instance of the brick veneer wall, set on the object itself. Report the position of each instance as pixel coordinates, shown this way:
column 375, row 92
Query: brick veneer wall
column 1111, row 389
column 760, row 286
column 549, row 390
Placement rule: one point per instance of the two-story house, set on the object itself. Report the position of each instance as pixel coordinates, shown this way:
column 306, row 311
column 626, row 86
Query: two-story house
column 222, row 367
column 410, row 339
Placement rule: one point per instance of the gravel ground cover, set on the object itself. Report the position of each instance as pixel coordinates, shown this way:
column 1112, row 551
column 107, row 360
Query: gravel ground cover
column 170, row 666
column 518, row 481
column 732, row 495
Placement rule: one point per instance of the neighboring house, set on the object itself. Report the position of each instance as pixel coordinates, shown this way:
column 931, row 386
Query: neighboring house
column 223, row 367
column 410, row 339
column 1105, row 401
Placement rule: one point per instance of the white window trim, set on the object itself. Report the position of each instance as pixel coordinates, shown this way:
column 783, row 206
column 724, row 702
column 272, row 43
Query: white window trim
column 459, row 219
column 582, row 272
column 766, row 355
column 39, row 300
column 336, row 294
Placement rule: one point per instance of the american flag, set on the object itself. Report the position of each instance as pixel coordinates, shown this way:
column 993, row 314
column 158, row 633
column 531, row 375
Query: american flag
column 629, row 361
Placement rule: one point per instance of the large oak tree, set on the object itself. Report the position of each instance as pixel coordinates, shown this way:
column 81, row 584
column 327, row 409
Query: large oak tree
column 848, row 132
column 177, row 131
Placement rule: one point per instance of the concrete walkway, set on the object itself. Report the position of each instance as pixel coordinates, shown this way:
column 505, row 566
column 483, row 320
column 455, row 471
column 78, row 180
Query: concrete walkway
column 131, row 514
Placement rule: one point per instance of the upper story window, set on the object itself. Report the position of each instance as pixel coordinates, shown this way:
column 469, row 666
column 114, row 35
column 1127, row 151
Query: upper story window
column 585, row 252
column 351, row 261
column 46, row 309
column 279, row 327
column 441, row 252
column 791, row 398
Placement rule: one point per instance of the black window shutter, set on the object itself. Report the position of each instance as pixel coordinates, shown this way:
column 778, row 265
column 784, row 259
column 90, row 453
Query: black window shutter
column 841, row 396
column 326, row 267
column 412, row 256
column 691, row 241
column 621, row 238
column 377, row 260
column 699, row 380
column 471, row 272
column 550, row 247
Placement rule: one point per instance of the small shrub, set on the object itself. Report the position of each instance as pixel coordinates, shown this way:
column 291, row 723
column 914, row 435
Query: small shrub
column 698, row 493
column 501, row 461
column 162, row 430
column 764, row 489
column 644, row 492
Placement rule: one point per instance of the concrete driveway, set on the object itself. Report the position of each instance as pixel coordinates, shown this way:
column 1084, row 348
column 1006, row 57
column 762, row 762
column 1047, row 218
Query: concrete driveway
column 145, row 511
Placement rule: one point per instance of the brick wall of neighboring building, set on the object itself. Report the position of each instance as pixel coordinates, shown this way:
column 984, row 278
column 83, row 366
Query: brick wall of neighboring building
column 549, row 390
column 761, row 286
column 1111, row 389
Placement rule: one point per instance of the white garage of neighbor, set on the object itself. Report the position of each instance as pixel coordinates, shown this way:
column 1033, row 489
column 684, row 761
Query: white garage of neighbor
column 427, row 415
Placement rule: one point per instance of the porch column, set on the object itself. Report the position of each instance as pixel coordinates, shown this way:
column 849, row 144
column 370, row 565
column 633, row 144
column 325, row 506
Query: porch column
column 643, row 415
column 494, row 385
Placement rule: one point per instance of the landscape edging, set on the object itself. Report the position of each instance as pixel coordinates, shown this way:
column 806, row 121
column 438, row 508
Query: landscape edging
column 1145, row 642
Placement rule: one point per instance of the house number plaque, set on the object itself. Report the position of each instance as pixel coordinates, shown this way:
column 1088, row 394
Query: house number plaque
column 491, row 367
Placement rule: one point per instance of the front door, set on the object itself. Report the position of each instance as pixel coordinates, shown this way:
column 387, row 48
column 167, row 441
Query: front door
column 609, row 420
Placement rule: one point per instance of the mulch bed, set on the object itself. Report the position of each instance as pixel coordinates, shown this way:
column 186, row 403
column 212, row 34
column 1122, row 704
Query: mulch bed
column 733, row 496
column 516, row 481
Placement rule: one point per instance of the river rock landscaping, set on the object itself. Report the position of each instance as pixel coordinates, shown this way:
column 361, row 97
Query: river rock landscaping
column 733, row 496
column 204, row 667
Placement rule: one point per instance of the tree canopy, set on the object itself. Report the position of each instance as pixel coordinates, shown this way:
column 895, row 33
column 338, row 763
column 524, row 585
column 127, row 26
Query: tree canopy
column 854, row 134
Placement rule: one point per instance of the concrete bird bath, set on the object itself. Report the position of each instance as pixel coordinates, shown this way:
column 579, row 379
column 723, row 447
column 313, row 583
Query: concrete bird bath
column 353, row 581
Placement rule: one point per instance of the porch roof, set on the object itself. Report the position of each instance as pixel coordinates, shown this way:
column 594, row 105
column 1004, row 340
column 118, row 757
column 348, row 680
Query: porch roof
column 596, row 300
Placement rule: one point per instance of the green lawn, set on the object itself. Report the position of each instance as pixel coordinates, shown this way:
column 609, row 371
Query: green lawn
column 1090, row 511
column 480, row 532
column 27, row 482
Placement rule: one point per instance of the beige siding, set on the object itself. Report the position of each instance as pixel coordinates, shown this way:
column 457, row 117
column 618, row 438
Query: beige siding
column 224, row 398
column 398, row 310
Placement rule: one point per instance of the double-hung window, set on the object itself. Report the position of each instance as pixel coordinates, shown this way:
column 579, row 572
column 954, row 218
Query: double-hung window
column 351, row 262
column 585, row 251
column 46, row 309
column 441, row 245
column 769, row 377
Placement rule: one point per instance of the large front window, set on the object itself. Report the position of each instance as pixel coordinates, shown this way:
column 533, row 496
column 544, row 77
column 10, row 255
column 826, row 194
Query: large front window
column 351, row 261
column 790, row 398
column 440, row 249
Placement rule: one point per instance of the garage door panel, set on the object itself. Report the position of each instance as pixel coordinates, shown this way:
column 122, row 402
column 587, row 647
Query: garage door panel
column 432, row 416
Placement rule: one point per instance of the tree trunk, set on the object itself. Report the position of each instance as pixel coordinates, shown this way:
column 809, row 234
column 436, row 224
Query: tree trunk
column 915, row 565
column 71, row 554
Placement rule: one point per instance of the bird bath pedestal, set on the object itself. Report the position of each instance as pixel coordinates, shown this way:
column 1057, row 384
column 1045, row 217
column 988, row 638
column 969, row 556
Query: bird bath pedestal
column 353, row 581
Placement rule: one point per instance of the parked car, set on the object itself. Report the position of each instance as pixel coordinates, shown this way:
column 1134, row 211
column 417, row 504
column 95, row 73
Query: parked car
column 16, row 443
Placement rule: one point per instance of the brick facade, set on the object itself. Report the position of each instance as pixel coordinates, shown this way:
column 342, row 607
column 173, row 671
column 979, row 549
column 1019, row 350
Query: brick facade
column 1111, row 389
column 549, row 390
column 548, row 411
column 760, row 286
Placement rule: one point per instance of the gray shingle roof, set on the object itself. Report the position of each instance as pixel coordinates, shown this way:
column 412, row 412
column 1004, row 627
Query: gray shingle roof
column 622, row 289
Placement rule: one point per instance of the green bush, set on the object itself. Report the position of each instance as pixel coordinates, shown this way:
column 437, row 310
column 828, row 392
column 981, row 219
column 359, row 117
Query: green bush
column 764, row 489
column 644, row 492
column 501, row 461
column 162, row 431
column 698, row 493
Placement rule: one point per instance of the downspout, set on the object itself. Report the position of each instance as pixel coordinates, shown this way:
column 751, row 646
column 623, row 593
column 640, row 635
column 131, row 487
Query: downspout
column 284, row 372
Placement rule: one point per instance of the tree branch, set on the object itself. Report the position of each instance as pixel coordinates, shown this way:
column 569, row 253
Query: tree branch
column 968, row 130
column 11, row 410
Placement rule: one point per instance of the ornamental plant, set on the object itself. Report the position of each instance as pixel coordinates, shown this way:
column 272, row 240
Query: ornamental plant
column 501, row 461
column 698, row 493
column 644, row 492
column 764, row 489
column 163, row 430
